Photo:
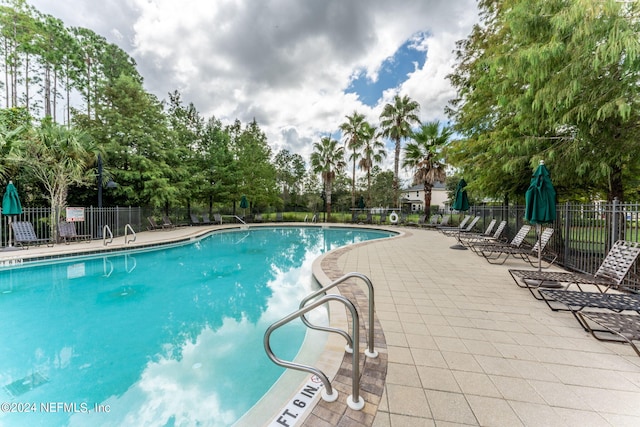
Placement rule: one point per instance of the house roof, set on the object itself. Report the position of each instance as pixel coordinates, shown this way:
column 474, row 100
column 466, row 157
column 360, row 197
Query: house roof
column 418, row 187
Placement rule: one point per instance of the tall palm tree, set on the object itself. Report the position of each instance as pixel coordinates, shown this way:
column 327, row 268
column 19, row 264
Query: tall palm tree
column 351, row 133
column 327, row 159
column 372, row 152
column 395, row 122
column 424, row 157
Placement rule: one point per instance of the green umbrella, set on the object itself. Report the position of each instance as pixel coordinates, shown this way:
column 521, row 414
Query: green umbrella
column 11, row 205
column 461, row 203
column 540, row 202
column 244, row 203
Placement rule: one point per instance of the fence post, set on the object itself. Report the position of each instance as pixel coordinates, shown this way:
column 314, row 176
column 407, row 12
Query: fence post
column 567, row 231
column 614, row 221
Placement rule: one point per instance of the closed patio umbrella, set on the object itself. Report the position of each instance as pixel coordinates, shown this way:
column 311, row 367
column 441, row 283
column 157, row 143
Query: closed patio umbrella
column 244, row 204
column 11, row 206
column 540, row 202
column 461, row 203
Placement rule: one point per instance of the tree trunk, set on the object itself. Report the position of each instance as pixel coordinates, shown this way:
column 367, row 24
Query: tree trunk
column 427, row 199
column 396, row 182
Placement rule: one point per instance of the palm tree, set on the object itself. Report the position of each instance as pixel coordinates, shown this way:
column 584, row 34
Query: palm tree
column 372, row 152
column 395, row 121
column 423, row 156
column 327, row 159
column 351, row 132
column 57, row 157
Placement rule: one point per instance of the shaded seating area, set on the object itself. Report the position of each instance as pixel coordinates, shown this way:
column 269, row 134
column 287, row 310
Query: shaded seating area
column 67, row 232
column 24, row 235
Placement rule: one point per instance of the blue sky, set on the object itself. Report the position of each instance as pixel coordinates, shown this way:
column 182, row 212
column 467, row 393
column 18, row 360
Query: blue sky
column 393, row 72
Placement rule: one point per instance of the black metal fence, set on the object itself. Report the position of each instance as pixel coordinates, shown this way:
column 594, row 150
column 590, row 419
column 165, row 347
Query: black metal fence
column 583, row 234
column 93, row 222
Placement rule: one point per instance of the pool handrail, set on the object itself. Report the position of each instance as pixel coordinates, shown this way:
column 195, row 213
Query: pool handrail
column 370, row 351
column 354, row 401
column 128, row 227
column 104, row 235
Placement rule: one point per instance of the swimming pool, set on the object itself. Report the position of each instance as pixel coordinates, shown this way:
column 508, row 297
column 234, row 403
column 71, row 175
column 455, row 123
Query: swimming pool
column 156, row 337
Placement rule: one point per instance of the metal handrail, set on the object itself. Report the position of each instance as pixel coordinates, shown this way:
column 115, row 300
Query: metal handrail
column 104, row 235
column 355, row 401
column 370, row 351
column 128, row 227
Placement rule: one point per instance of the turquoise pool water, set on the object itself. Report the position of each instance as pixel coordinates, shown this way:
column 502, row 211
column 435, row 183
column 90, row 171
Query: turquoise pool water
column 163, row 337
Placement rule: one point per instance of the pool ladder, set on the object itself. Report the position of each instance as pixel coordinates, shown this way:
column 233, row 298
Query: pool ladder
column 107, row 230
column 354, row 401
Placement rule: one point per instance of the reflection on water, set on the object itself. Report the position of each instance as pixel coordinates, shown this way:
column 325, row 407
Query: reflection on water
column 163, row 337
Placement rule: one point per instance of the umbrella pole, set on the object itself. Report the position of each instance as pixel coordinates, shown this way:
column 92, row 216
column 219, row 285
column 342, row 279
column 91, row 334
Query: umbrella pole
column 538, row 230
column 459, row 246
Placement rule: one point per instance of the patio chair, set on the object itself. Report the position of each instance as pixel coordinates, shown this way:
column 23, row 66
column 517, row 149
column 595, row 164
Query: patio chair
column 612, row 327
column 153, row 225
column 467, row 229
column 24, row 234
column 279, row 217
column 217, row 218
column 421, row 221
column 435, row 224
column 67, row 232
column 442, row 227
column 195, row 220
column 383, row 218
column 472, row 238
column 611, row 273
column 166, row 222
column 494, row 254
column 517, row 240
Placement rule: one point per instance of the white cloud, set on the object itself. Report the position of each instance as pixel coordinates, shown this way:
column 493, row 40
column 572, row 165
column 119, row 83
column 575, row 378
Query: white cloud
column 285, row 63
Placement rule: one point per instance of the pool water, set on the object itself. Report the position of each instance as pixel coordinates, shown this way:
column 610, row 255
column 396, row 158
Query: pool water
column 163, row 337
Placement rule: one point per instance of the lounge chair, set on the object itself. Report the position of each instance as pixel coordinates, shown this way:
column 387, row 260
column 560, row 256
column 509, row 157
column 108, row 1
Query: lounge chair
column 24, row 234
column 67, row 232
column 517, row 240
column 217, row 218
column 467, row 229
column 166, row 222
column 472, row 238
column 611, row 273
column 421, row 221
column 612, row 327
column 153, row 225
column 442, row 227
column 279, row 217
column 494, row 254
column 195, row 220
column 383, row 218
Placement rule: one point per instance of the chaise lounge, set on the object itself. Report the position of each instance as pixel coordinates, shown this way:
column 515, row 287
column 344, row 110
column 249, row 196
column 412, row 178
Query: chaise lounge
column 24, row 234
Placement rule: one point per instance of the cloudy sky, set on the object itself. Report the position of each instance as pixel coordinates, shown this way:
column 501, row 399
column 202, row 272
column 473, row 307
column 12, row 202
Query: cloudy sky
column 297, row 66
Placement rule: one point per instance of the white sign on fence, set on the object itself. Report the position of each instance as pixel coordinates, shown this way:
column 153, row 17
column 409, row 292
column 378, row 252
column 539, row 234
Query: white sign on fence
column 75, row 214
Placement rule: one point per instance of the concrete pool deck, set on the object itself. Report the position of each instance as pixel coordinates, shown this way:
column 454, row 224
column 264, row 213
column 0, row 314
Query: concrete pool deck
column 463, row 344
